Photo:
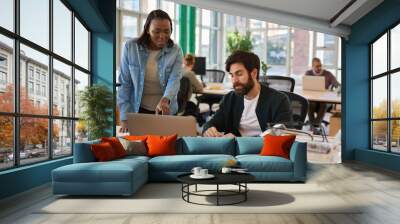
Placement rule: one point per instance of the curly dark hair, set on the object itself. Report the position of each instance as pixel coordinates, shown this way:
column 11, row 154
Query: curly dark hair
column 248, row 59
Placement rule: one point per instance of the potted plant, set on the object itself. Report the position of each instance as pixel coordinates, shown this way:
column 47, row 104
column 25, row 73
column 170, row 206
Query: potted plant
column 96, row 102
column 264, row 69
column 236, row 41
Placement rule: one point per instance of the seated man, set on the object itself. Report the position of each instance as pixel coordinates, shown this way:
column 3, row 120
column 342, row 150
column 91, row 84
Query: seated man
column 248, row 109
column 315, row 107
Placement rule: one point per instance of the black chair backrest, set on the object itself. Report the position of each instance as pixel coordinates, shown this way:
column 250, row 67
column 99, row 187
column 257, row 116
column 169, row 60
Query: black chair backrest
column 281, row 83
column 299, row 106
column 183, row 94
column 213, row 75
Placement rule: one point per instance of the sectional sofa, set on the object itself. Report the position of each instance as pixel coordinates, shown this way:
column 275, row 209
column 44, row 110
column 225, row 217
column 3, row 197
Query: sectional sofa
column 125, row 176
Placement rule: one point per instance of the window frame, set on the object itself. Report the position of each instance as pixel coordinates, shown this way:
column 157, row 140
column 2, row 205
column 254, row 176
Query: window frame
column 388, row 74
column 16, row 115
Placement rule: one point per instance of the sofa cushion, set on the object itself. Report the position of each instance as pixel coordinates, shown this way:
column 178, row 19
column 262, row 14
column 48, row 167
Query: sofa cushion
column 103, row 152
column 248, row 145
column 204, row 145
column 185, row 163
column 136, row 137
column 257, row 163
column 134, row 147
column 159, row 145
column 277, row 145
column 116, row 145
column 112, row 171
column 83, row 152
column 128, row 159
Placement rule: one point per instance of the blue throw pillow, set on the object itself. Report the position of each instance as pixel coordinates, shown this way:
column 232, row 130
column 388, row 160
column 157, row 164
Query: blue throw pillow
column 206, row 145
column 249, row 145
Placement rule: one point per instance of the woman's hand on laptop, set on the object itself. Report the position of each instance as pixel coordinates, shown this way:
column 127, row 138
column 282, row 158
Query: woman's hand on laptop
column 124, row 127
column 163, row 106
column 213, row 132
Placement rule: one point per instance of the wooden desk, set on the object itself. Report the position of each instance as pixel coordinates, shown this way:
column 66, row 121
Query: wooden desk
column 215, row 89
column 314, row 96
column 319, row 96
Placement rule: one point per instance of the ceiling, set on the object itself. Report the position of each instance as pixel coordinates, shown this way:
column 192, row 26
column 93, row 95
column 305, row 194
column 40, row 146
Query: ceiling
column 317, row 15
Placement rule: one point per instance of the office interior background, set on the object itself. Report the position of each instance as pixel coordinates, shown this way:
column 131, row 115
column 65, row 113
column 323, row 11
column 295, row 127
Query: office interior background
column 46, row 59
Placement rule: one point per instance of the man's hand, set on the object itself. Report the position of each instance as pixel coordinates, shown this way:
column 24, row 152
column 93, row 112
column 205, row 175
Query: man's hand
column 229, row 135
column 163, row 106
column 213, row 132
column 124, row 127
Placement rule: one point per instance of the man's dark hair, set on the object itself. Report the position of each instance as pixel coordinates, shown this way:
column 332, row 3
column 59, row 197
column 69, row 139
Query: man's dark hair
column 248, row 59
column 144, row 38
column 315, row 60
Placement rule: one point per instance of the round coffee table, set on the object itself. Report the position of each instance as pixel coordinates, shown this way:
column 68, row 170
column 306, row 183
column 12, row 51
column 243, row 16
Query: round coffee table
column 238, row 179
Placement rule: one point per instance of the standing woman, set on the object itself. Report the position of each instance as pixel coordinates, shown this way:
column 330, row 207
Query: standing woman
column 150, row 70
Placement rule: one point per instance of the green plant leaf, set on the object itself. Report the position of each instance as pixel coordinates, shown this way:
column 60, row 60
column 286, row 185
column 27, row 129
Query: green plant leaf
column 96, row 102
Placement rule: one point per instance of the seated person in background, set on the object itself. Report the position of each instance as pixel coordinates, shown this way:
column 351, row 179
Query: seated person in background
column 248, row 109
column 187, row 107
column 316, row 107
column 187, row 66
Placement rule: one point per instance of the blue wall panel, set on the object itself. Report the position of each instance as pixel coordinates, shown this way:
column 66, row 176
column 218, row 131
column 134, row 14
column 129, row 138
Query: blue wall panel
column 24, row 178
column 356, row 83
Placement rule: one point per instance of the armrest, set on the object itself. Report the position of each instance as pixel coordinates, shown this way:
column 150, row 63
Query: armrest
column 83, row 152
column 298, row 155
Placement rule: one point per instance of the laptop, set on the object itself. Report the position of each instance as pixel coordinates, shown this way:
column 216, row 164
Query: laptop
column 144, row 124
column 314, row 83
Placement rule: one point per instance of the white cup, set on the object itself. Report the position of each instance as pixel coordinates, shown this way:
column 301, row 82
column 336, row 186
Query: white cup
column 196, row 171
column 226, row 170
column 203, row 172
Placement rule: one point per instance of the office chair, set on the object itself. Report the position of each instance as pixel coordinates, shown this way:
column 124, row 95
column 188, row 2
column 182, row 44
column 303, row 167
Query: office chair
column 299, row 106
column 281, row 83
column 212, row 75
column 183, row 94
column 185, row 106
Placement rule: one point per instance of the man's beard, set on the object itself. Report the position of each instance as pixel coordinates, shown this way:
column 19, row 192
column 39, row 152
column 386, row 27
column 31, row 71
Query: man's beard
column 317, row 73
column 245, row 87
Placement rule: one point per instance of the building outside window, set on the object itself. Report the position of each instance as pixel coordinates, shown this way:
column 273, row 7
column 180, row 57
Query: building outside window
column 30, row 73
column 385, row 96
column 3, row 72
column 30, row 87
column 58, row 137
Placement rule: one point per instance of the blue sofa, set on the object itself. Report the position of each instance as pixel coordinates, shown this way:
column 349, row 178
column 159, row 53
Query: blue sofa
column 125, row 176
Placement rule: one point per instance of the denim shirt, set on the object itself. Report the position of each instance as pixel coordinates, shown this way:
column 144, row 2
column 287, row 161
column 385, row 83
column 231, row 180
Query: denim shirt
column 132, row 71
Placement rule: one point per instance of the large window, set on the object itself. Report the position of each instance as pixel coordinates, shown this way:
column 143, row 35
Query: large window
column 287, row 50
column 40, row 80
column 385, row 96
column 208, row 36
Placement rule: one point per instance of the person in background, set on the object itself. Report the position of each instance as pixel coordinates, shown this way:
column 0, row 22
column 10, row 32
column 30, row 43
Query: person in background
column 188, row 64
column 189, row 84
column 248, row 109
column 317, row 107
column 150, row 71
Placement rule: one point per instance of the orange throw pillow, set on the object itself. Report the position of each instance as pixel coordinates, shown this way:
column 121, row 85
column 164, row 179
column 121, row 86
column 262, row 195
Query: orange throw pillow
column 116, row 145
column 136, row 137
column 161, row 145
column 103, row 152
column 277, row 145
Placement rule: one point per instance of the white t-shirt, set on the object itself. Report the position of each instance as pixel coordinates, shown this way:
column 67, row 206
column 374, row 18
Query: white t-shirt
column 249, row 125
